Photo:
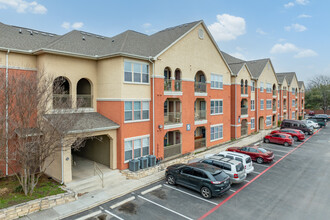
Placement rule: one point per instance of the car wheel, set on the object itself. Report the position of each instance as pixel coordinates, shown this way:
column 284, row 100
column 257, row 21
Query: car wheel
column 260, row 160
column 266, row 140
column 295, row 138
column 170, row 180
column 306, row 133
column 206, row 192
column 286, row 144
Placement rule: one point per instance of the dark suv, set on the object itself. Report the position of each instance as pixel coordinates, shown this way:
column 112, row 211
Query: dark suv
column 204, row 178
column 295, row 124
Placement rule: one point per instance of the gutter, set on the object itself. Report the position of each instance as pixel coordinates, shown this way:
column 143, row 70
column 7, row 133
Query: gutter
column 235, row 107
column 153, row 106
column 62, row 161
column 7, row 114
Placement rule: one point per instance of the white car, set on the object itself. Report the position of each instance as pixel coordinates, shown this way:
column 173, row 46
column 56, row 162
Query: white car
column 243, row 158
column 311, row 123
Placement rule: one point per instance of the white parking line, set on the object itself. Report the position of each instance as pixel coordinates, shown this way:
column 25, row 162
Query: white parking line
column 232, row 190
column 278, row 150
column 191, row 195
column 113, row 215
column 89, row 215
column 164, row 207
column 122, row 202
column 151, row 189
column 255, row 172
column 260, row 165
column 246, row 181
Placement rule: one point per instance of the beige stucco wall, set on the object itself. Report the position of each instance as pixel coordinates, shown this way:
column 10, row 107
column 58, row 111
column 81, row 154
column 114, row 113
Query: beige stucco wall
column 268, row 76
column 285, row 84
column 192, row 54
column 17, row 60
column 294, row 84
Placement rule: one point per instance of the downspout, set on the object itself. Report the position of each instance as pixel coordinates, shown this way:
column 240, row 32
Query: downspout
column 235, row 108
column 7, row 114
column 153, row 106
column 62, row 161
column 257, row 105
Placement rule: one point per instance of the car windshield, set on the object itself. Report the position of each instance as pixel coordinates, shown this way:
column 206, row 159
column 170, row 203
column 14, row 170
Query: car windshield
column 301, row 132
column 239, row 167
column 262, row 150
column 220, row 176
column 248, row 160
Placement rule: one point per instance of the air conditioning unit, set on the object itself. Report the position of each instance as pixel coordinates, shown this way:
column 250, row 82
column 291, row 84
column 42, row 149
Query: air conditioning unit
column 151, row 160
column 143, row 162
column 134, row 165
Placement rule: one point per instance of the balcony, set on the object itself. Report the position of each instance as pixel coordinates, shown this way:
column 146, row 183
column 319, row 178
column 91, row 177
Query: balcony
column 244, row 110
column 172, row 150
column 274, row 108
column 84, row 101
column 200, row 143
column 274, row 93
column 177, row 85
column 200, row 115
column 172, row 118
column 200, row 87
column 62, row 101
column 167, row 85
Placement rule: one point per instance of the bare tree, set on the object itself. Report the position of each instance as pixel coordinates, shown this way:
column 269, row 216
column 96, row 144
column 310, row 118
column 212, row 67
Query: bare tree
column 319, row 92
column 34, row 138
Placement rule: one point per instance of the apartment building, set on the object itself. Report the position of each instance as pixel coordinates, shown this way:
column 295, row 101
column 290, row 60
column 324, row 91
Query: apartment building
column 283, row 96
column 301, row 99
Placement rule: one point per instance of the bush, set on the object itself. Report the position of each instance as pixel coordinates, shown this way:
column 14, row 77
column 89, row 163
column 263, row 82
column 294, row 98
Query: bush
column 279, row 123
column 300, row 117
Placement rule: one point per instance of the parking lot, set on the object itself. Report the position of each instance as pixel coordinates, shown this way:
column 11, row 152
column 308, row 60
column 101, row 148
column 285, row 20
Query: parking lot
column 294, row 186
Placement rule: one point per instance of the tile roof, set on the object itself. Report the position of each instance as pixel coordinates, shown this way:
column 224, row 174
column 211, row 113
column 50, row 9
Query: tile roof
column 88, row 44
column 234, row 63
column 301, row 84
column 280, row 78
column 288, row 76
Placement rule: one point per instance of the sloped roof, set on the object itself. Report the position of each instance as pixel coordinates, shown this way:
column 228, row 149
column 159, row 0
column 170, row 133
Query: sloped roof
column 301, row 84
column 257, row 66
column 230, row 59
column 87, row 44
column 280, row 78
column 288, row 76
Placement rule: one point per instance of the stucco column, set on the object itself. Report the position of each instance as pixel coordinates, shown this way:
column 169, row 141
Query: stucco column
column 113, row 149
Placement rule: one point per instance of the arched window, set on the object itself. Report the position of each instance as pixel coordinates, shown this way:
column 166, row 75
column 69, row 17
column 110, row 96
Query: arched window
column 84, row 94
column 61, row 93
column 242, row 86
column 246, row 87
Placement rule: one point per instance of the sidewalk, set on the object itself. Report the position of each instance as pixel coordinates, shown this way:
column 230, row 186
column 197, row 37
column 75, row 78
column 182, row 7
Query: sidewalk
column 124, row 187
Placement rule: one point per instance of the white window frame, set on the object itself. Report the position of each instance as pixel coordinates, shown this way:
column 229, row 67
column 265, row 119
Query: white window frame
column 253, row 124
column 268, row 104
column 261, row 87
column 293, row 91
column 132, row 139
column 216, row 78
column 220, row 132
column 293, row 103
column 262, row 104
column 269, row 88
column 269, row 119
column 253, row 105
column 141, row 72
column 253, row 86
column 142, row 110
column 220, row 108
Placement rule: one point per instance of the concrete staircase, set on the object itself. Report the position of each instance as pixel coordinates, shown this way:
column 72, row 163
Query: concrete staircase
column 111, row 179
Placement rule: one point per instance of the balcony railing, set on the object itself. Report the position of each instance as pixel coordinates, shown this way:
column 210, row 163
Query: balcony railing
column 200, row 87
column 200, row 115
column 177, row 85
column 172, row 150
column 274, row 108
column 62, row 101
column 167, row 84
column 244, row 131
column 284, row 107
column 274, row 92
column 244, row 110
column 172, row 117
column 84, row 101
column 200, row 143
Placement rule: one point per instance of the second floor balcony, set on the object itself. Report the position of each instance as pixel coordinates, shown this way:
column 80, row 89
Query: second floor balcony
column 200, row 115
column 62, row 101
column 200, row 87
column 244, row 110
column 172, row 118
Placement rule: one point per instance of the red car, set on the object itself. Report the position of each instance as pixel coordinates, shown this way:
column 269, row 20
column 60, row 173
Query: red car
column 279, row 138
column 256, row 153
column 296, row 134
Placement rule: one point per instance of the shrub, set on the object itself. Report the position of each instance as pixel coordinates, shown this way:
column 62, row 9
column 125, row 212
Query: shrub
column 279, row 123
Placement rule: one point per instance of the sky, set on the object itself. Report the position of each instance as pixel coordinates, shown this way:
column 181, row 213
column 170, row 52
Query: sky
column 294, row 34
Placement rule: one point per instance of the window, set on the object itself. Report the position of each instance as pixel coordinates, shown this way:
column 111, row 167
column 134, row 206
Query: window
column 252, row 123
column 293, row 103
column 216, row 81
column 278, row 103
column 261, row 104
column 216, row 132
column 253, row 86
column 293, row 115
column 136, row 72
column 252, row 105
column 139, row 112
column 187, row 170
column 268, row 104
column 261, row 87
column 269, row 88
column 136, row 147
column 293, row 90
column 216, row 107
column 268, row 120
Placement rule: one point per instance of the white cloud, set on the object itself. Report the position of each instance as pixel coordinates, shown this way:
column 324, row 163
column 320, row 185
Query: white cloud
column 289, row 5
column 291, row 48
column 284, row 48
column 260, row 31
column 76, row 25
column 22, row 6
column 304, row 16
column 302, row 2
column 146, row 25
column 238, row 55
column 296, row 27
column 305, row 53
column 227, row 27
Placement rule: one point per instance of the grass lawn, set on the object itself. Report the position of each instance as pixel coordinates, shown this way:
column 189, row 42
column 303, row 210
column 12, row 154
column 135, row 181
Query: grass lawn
column 10, row 193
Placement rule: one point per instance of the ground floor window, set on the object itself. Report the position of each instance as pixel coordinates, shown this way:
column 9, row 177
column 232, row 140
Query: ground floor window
column 252, row 123
column 268, row 120
column 216, row 132
column 136, row 147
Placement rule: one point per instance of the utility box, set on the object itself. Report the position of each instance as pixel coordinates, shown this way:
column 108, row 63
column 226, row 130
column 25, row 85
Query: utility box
column 151, row 160
column 134, row 165
column 143, row 162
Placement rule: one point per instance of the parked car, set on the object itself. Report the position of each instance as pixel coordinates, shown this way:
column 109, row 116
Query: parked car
column 243, row 158
column 320, row 121
column 296, row 134
column 311, row 113
column 279, row 138
column 204, row 178
column 299, row 125
column 326, row 117
column 233, row 168
column 258, row 154
column 312, row 122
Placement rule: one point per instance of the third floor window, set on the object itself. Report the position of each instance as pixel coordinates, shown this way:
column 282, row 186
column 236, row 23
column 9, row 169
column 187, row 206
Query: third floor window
column 136, row 72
